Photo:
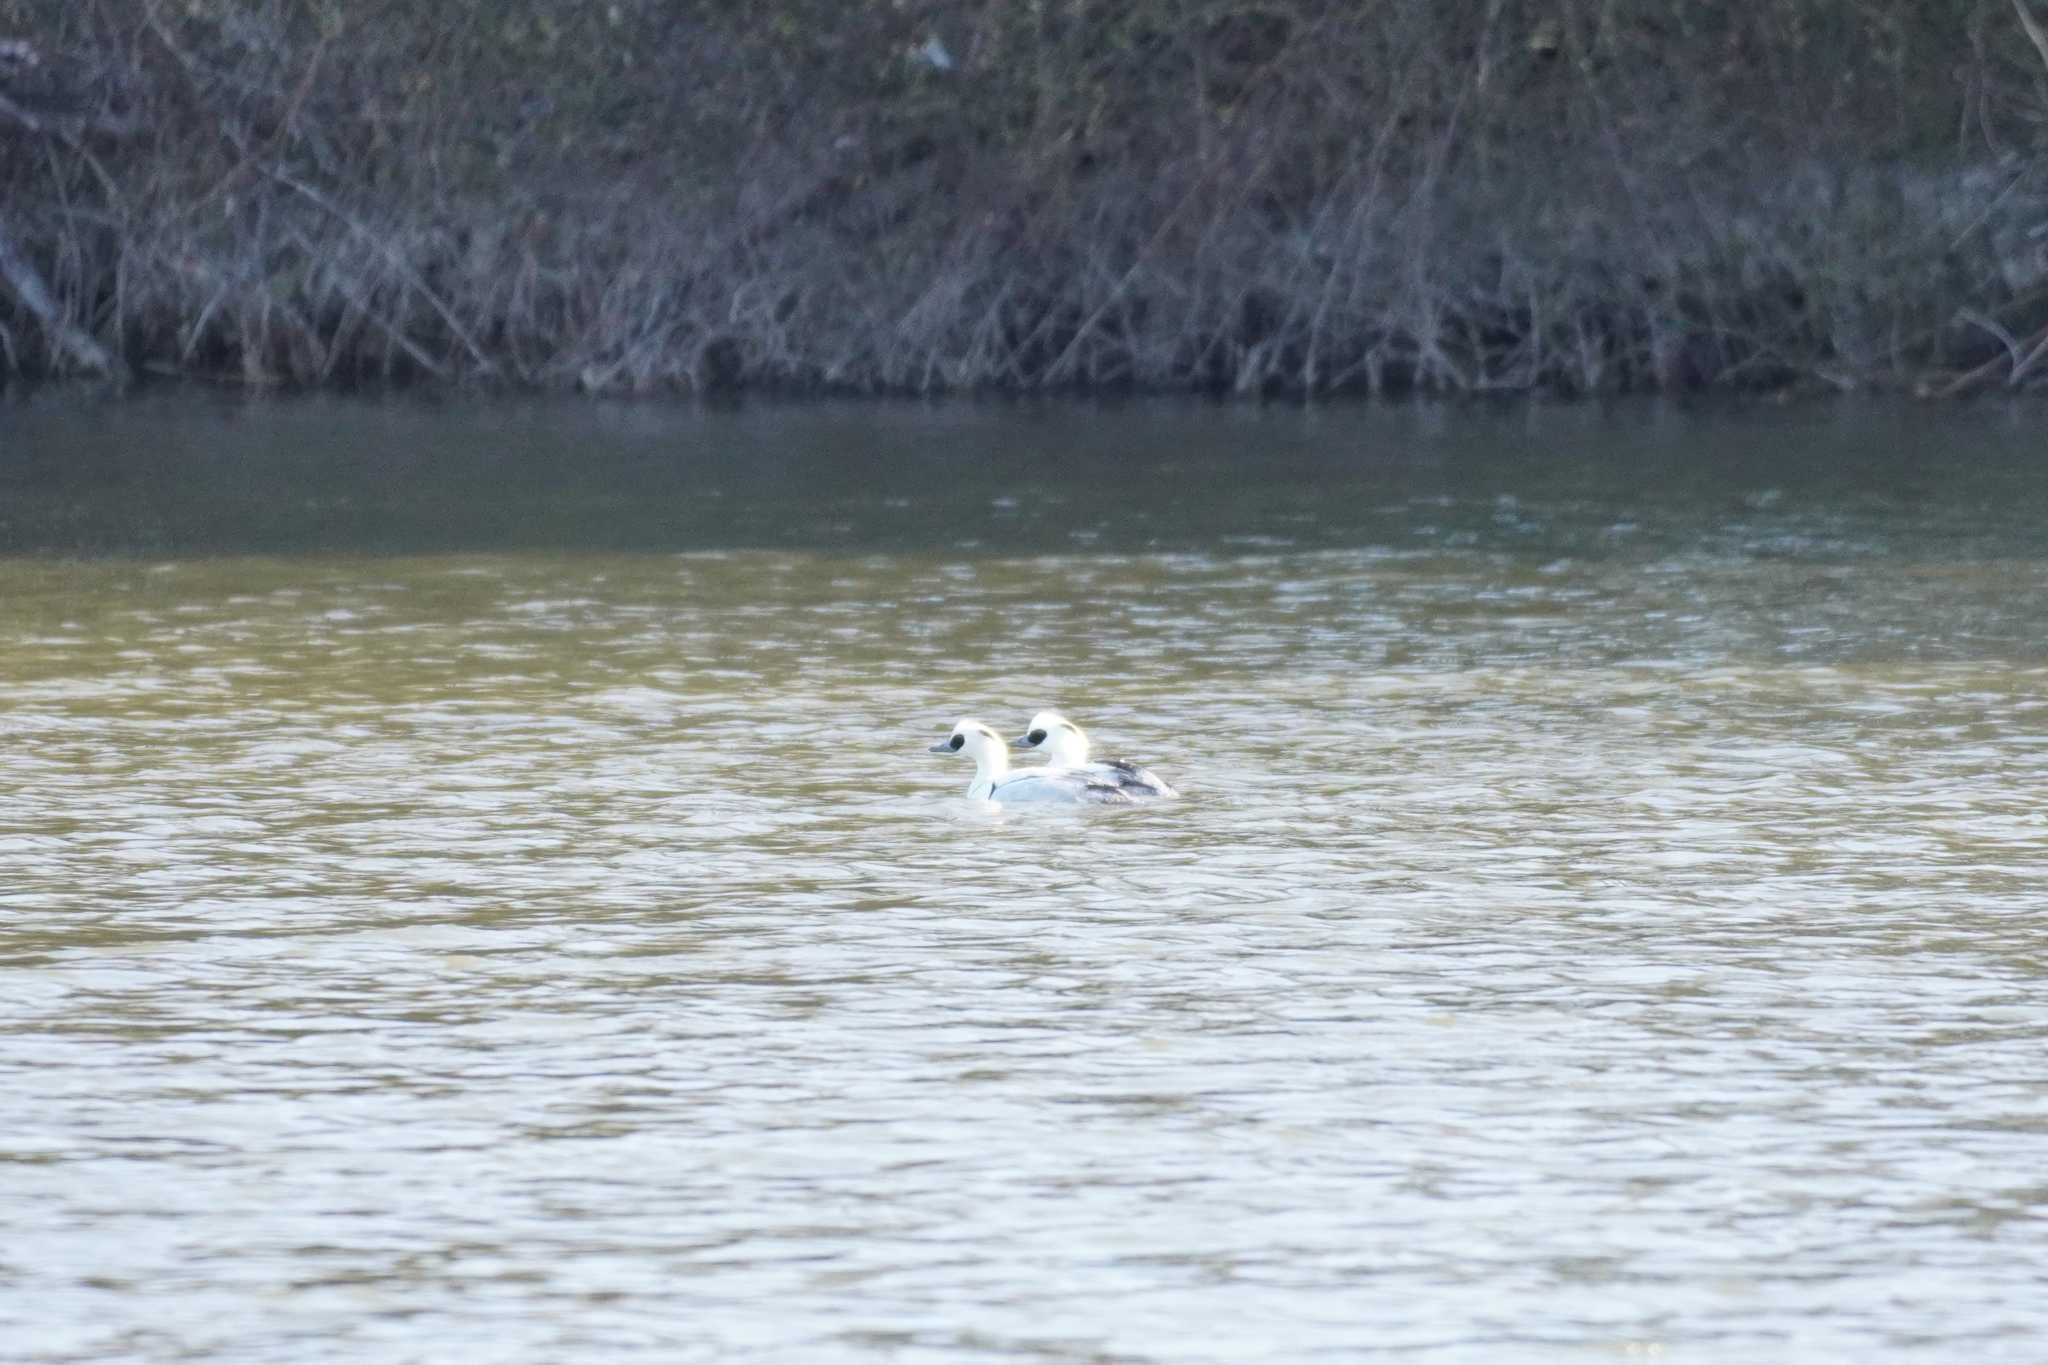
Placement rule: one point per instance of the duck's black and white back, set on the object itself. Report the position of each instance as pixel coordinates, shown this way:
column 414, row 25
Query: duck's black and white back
column 1066, row 750
column 1067, row 785
column 994, row 781
column 1139, row 783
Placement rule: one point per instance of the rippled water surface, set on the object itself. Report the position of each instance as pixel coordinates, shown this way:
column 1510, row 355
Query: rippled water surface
column 472, row 886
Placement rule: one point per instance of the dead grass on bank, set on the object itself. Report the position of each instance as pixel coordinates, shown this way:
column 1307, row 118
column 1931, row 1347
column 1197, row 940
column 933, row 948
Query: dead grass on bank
column 1280, row 199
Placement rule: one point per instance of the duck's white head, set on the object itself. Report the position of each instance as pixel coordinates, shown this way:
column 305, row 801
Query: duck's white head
column 978, row 742
column 1061, row 740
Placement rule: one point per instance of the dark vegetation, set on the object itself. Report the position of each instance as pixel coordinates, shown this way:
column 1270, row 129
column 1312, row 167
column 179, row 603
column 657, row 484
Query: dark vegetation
column 1288, row 197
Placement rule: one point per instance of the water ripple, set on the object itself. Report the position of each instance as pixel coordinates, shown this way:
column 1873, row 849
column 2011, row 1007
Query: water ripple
column 551, row 957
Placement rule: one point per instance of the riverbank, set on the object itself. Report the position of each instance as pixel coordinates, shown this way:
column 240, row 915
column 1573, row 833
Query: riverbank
column 1281, row 200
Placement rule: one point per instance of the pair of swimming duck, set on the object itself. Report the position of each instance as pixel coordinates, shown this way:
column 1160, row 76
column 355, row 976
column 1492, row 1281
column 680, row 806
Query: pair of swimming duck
column 1067, row 776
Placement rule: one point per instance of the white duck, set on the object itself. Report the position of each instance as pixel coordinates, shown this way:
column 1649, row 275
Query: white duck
column 993, row 780
column 1066, row 750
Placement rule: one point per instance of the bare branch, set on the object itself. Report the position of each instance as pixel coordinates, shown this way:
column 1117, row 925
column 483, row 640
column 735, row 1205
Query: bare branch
column 27, row 283
column 2035, row 34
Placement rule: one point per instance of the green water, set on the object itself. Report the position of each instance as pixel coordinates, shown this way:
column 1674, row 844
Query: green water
column 472, row 884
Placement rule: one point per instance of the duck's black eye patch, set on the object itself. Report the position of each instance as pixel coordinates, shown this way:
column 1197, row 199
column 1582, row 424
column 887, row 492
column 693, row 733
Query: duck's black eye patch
column 958, row 740
column 1036, row 736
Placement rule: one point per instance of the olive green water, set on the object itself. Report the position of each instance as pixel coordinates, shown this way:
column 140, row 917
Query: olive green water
column 472, row 885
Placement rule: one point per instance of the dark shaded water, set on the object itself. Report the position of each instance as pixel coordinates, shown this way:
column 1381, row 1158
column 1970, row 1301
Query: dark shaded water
column 180, row 477
column 471, row 883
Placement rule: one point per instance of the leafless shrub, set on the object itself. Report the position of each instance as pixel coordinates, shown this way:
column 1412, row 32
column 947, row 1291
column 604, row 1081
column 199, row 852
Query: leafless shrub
column 1291, row 197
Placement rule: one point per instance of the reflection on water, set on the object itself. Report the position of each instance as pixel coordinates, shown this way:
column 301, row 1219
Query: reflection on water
column 1605, row 919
